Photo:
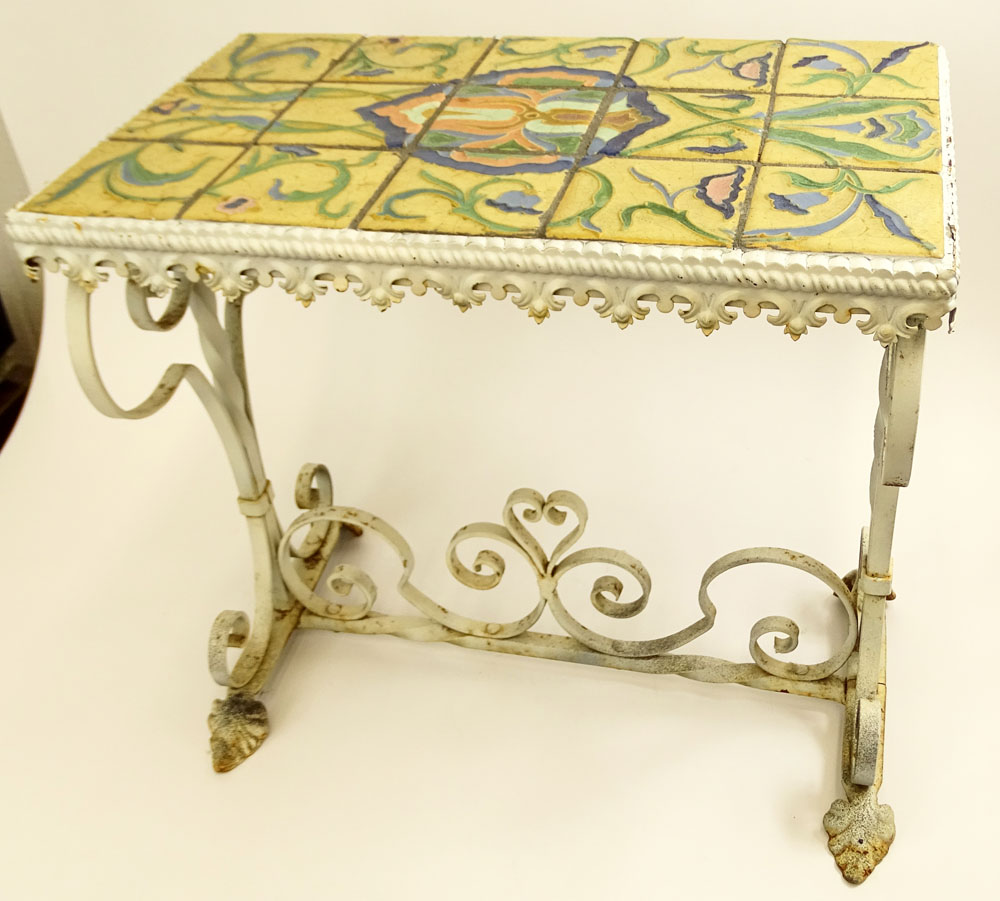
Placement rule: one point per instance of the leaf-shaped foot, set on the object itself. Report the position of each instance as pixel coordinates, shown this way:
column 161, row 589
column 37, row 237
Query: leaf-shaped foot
column 860, row 831
column 239, row 725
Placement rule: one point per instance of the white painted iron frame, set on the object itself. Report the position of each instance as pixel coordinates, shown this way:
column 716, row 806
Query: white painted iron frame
column 290, row 563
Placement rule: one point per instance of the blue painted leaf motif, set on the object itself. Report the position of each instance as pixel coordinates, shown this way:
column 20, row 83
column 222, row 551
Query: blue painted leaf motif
column 897, row 56
column 516, row 202
column 893, row 221
column 599, row 50
column 817, row 62
column 799, row 203
column 276, row 192
column 296, row 149
column 732, row 148
column 719, row 191
column 370, row 73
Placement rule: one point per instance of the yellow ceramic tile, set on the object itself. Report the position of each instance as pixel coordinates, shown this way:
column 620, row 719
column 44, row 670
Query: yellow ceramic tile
column 704, row 64
column 683, row 125
column 138, row 181
column 423, row 60
column 276, row 57
column 653, row 202
column 358, row 115
column 297, row 185
column 860, row 68
column 846, row 211
column 224, row 111
column 426, row 197
column 853, row 131
column 538, row 61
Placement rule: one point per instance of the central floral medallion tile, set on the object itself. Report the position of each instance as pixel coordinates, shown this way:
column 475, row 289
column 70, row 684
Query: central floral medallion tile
column 295, row 185
column 867, row 69
column 806, row 145
column 503, row 116
column 358, row 115
column 276, row 57
column 425, row 197
column 553, row 60
column 226, row 111
column 423, row 60
column 705, row 64
column 879, row 133
column 653, row 202
column 690, row 125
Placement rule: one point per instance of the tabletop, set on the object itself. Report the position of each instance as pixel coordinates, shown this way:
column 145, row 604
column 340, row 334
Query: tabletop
column 726, row 147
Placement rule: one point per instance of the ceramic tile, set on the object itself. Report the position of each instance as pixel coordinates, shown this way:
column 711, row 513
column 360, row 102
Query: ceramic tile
column 542, row 61
column 650, row 123
column 846, row 211
column 426, row 197
column 704, row 64
column 276, row 57
column 504, row 118
column 221, row 111
column 423, row 60
column 295, row 185
column 858, row 132
column 358, row 115
column 653, row 202
column 860, row 68
column 133, row 180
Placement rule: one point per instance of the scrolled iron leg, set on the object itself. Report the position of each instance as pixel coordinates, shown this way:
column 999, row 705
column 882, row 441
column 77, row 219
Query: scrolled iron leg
column 860, row 828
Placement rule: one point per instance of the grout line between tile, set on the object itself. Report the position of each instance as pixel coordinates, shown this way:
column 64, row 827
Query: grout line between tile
column 585, row 143
column 254, row 143
column 751, row 187
column 407, row 150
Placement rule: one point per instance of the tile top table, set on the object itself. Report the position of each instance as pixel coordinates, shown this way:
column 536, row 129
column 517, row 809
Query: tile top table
column 810, row 178
column 713, row 149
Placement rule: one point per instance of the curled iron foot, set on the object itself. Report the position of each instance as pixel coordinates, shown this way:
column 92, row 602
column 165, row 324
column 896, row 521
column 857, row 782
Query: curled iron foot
column 861, row 831
column 239, row 725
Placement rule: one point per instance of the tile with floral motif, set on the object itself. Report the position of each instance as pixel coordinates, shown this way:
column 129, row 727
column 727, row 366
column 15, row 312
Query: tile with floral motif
column 420, row 60
column 224, row 111
column 358, row 115
column 134, row 180
column 505, row 118
column 846, row 211
column 880, row 133
column 276, row 57
column 653, row 202
column 682, row 125
column 295, row 185
column 860, row 68
column 425, row 197
column 542, row 61
column 704, row 64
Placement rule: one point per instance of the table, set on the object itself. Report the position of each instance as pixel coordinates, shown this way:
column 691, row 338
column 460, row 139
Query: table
column 809, row 179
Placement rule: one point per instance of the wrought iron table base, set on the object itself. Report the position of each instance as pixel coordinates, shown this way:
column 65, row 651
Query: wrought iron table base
column 291, row 563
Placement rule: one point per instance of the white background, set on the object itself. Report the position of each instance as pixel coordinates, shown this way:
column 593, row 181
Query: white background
column 397, row 770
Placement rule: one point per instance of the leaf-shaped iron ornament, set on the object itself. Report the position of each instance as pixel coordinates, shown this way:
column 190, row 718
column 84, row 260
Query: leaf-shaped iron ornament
column 239, row 727
column 861, row 831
